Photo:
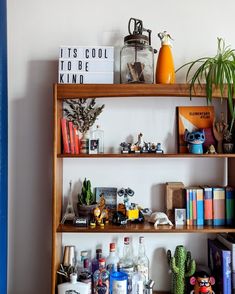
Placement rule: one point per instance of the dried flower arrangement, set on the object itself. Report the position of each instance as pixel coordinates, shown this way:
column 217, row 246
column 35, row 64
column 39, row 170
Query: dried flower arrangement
column 82, row 112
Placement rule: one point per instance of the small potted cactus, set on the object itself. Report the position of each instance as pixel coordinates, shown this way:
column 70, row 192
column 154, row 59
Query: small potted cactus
column 86, row 200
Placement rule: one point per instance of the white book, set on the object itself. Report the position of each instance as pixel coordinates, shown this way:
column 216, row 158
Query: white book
column 85, row 78
column 87, row 52
column 231, row 246
column 85, row 65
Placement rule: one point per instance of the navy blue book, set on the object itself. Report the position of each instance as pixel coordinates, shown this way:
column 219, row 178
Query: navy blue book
column 219, row 261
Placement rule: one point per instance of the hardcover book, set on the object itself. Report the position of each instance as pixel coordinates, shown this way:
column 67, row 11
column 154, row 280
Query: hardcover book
column 65, row 135
column 218, row 206
column 193, row 118
column 219, row 261
column 208, row 206
column 229, row 241
column 230, row 205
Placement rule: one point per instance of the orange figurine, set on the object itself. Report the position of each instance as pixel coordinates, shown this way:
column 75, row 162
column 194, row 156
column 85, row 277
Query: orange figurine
column 165, row 72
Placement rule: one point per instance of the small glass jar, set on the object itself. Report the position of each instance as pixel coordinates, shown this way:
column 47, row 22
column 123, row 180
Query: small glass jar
column 137, row 60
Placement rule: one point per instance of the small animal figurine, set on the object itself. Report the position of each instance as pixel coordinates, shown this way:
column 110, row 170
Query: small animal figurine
column 159, row 218
column 202, row 283
column 195, row 140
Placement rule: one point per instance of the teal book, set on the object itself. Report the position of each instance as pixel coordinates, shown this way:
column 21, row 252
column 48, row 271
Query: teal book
column 230, row 205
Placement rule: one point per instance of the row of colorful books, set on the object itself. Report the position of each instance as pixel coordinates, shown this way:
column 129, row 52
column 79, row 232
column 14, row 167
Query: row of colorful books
column 221, row 261
column 70, row 137
column 210, row 206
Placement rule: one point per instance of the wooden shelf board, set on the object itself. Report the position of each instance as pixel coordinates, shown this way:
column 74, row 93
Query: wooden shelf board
column 145, row 155
column 72, row 91
column 143, row 228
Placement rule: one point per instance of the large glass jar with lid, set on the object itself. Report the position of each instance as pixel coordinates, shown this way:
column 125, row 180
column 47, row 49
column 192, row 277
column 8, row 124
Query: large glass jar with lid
column 137, row 60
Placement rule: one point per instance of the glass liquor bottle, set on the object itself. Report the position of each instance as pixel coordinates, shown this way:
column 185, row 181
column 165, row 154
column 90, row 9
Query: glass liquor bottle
column 73, row 286
column 126, row 263
column 85, row 275
column 142, row 263
column 113, row 259
column 101, row 279
column 95, row 261
column 80, row 264
column 98, row 134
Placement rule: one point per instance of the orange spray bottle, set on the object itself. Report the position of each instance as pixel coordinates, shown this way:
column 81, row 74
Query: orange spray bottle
column 165, row 71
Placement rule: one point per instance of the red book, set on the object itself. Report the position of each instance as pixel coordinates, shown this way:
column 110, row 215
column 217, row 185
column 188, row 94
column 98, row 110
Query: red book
column 65, row 136
column 71, row 137
column 76, row 140
column 208, row 206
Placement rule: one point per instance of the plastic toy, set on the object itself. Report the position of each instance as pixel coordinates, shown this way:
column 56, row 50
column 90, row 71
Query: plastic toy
column 202, row 283
column 195, row 141
column 119, row 218
column 182, row 266
column 100, row 213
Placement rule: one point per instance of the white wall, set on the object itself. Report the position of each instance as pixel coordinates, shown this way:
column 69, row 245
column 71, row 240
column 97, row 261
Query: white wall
column 35, row 31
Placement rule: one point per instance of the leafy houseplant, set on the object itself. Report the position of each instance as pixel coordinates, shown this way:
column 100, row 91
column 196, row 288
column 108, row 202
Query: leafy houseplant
column 216, row 72
column 82, row 112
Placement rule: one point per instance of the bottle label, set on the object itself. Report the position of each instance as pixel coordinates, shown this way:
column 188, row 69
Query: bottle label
column 139, row 287
column 143, row 270
column 101, row 287
column 71, row 292
column 119, row 287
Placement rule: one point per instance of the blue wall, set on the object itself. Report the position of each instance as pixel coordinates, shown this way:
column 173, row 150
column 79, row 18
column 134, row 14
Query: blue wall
column 3, row 147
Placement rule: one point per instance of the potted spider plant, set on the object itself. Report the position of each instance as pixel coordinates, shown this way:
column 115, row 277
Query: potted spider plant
column 217, row 72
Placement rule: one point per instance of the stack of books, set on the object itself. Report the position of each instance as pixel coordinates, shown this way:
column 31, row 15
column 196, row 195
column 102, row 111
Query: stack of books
column 210, row 206
column 86, row 65
column 70, row 137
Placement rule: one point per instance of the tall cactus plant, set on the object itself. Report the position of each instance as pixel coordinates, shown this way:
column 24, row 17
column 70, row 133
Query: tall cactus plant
column 182, row 266
column 86, row 197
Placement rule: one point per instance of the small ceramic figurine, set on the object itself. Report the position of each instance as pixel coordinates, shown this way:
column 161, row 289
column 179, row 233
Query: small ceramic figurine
column 159, row 218
column 195, row 140
column 211, row 150
column 202, row 283
column 159, row 148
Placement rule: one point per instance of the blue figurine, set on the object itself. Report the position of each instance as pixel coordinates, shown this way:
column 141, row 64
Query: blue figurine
column 195, row 140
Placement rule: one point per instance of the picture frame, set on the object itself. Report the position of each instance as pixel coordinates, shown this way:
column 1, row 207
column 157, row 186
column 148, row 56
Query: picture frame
column 180, row 216
column 93, row 146
column 110, row 196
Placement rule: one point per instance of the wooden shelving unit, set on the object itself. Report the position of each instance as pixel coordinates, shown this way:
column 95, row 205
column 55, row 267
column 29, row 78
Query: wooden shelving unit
column 143, row 228
column 117, row 91
column 146, row 155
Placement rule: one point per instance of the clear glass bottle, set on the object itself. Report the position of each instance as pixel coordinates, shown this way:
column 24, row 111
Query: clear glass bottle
column 98, row 134
column 118, row 282
column 85, row 276
column 138, row 283
column 80, row 263
column 73, row 286
column 113, row 259
column 95, row 261
column 137, row 60
column 126, row 263
column 142, row 262
column 101, row 279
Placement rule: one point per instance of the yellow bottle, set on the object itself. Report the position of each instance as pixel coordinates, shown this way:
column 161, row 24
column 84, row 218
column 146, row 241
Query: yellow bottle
column 165, row 71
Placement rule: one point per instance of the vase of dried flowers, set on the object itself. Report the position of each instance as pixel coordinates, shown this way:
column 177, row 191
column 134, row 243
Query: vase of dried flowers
column 83, row 113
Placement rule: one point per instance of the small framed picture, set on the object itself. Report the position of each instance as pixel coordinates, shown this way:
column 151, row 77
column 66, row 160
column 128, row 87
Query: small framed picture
column 94, row 146
column 110, row 196
column 180, row 216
